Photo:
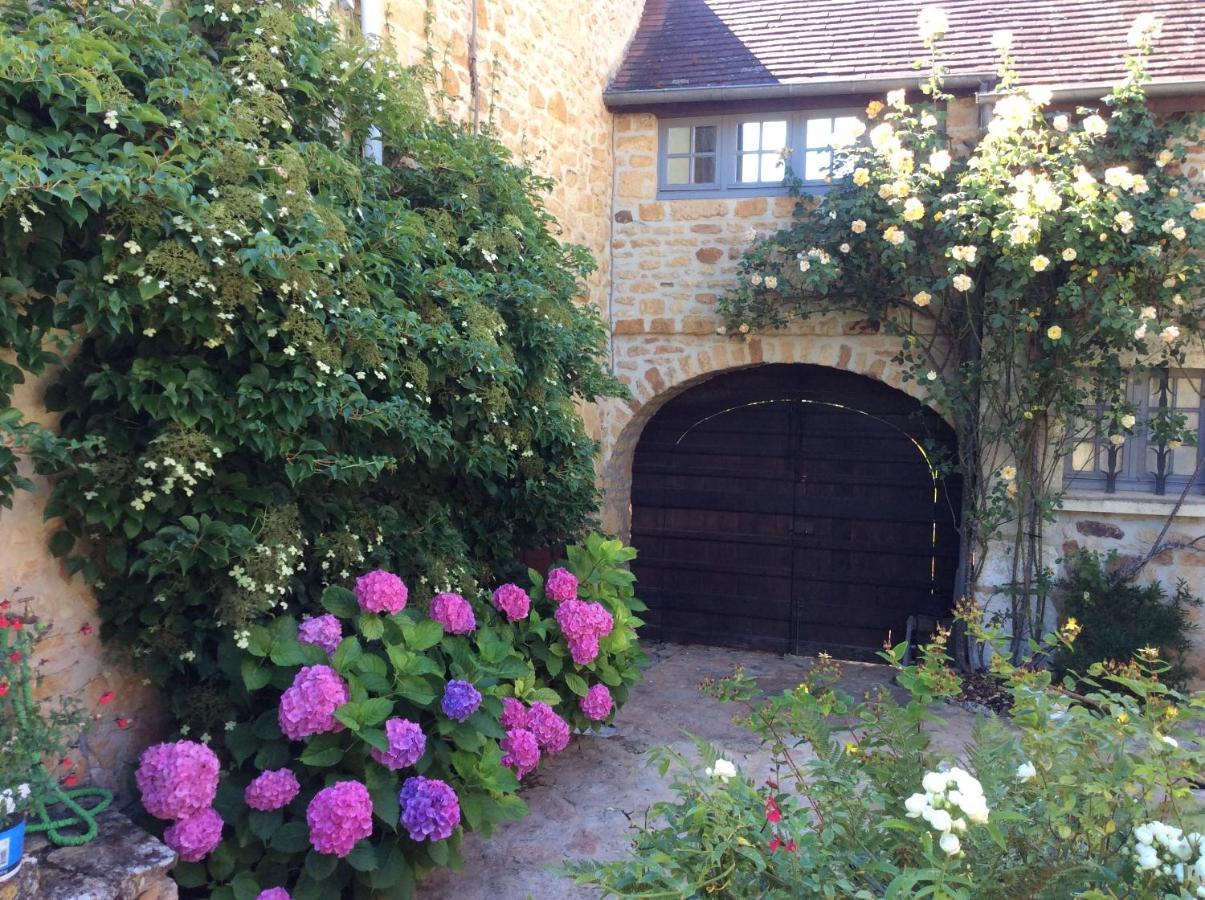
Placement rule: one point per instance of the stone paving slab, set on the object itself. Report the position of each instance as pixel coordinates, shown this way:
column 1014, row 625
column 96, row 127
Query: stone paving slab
column 583, row 801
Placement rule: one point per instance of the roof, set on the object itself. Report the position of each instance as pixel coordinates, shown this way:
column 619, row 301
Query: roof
column 808, row 46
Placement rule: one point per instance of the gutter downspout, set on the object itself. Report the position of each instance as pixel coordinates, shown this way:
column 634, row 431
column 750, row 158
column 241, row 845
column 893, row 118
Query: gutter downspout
column 372, row 26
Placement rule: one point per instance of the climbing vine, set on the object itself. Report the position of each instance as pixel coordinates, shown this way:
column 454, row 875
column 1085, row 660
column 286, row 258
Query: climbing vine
column 1025, row 277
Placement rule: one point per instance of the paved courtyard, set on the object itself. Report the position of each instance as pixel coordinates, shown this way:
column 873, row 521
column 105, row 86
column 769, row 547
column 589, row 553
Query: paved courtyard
column 583, row 802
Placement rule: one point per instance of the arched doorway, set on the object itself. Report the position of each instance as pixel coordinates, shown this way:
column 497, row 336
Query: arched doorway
column 793, row 508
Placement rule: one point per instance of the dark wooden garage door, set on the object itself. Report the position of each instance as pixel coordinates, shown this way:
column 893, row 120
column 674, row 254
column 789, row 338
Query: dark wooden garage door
column 791, row 508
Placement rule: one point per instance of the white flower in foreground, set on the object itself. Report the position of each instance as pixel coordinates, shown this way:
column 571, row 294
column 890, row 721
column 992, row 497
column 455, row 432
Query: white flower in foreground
column 950, row 844
column 1096, row 126
column 963, row 283
column 916, row 805
column 1060, row 123
column 1128, row 421
column 922, row 298
column 1002, row 40
column 1170, row 334
column 939, row 160
column 895, row 99
column 1145, row 28
column 1008, row 473
column 1069, row 254
column 111, row 119
column 1039, row 263
column 1026, row 771
column 932, row 23
column 771, row 282
column 894, row 235
column 857, row 226
column 722, row 770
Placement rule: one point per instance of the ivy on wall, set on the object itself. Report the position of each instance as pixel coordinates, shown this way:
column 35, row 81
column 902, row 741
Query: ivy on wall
column 278, row 363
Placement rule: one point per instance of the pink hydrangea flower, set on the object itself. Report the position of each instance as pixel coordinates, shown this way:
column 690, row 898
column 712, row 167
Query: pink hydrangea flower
column 196, row 836
column 453, row 612
column 514, row 713
column 584, row 650
column 271, row 790
column 407, row 743
column 177, row 780
column 551, row 731
column 520, row 751
column 276, row 893
column 430, row 809
column 583, row 624
column 597, row 703
column 323, row 631
column 560, row 585
column 308, row 706
column 512, row 601
column 339, row 816
column 381, row 592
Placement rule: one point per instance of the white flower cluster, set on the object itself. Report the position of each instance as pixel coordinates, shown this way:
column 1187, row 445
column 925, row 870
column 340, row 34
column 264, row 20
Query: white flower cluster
column 9, row 798
column 1169, row 851
column 721, row 771
column 285, row 561
column 951, row 800
column 170, row 471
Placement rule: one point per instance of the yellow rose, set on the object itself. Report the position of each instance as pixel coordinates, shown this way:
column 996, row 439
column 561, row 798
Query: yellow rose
column 894, row 235
column 914, row 210
column 874, row 108
column 1096, row 126
column 857, row 226
column 1054, row 332
column 1069, row 254
column 922, row 299
column 861, row 177
column 963, row 283
column 1039, row 263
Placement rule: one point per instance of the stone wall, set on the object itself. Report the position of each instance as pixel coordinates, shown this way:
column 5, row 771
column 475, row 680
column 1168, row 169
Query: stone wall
column 671, row 259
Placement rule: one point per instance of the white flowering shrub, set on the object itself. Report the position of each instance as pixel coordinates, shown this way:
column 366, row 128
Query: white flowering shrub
column 1025, row 278
column 1077, row 795
column 280, row 363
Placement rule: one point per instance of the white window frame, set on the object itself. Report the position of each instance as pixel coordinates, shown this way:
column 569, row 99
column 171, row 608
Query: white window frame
column 726, row 183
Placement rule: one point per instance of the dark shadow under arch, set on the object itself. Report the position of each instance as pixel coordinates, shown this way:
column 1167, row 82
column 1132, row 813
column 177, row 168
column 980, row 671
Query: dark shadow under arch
column 794, row 508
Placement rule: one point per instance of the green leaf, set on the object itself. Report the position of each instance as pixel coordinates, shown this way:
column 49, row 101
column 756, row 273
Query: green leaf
column 363, row 857
column 264, row 824
column 61, row 543
column 291, row 837
column 255, row 674
column 320, row 866
column 375, row 711
column 422, row 635
column 340, row 601
column 320, row 759
column 576, row 683
column 348, row 652
column 371, row 627
column 245, row 886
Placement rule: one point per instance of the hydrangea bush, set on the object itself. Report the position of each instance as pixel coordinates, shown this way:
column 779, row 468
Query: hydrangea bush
column 359, row 769
column 1024, row 275
column 281, row 365
column 1079, row 795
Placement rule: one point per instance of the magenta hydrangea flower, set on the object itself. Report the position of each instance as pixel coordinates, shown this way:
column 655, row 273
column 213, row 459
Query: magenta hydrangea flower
column 381, row 592
column 512, row 601
column 308, row 706
column 339, row 816
column 583, row 624
column 453, row 612
column 276, row 893
column 584, row 650
column 196, row 836
column 430, row 809
column 597, row 703
column 520, row 751
column 323, row 631
column 514, row 713
column 560, row 585
column 271, row 790
column 177, row 780
column 407, row 743
column 460, row 700
column 551, row 731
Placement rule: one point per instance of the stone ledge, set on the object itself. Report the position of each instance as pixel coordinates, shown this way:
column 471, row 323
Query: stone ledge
column 123, row 863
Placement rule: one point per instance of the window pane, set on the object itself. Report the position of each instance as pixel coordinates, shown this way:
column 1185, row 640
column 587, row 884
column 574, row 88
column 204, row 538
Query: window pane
column 704, row 169
column 748, row 137
column 819, row 132
column 774, row 135
column 1083, row 457
column 747, row 167
column 1184, row 459
column 771, row 167
column 816, row 164
column 705, row 139
column 678, row 140
column 677, row 171
column 845, row 130
column 1188, row 392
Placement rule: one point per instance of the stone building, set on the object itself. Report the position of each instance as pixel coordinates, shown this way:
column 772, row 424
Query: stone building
column 640, row 111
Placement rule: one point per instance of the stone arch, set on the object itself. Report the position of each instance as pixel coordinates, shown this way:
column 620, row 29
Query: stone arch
column 657, row 384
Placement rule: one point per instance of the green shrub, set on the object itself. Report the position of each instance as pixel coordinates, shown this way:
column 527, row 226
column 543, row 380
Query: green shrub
column 281, row 363
column 397, row 666
column 1058, row 803
column 1119, row 618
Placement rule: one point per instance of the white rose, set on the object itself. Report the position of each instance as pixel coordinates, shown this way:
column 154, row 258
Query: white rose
column 940, row 820
column 934, row 782
column 857, row 226
column 963, row 283
column 916, row 804
column 939, row 160
column 1026, row 771
column 722, row 770
column 950, row 844
column 1060, row 123
column 1128, row 421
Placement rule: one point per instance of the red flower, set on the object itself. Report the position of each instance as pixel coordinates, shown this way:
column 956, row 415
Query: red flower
column 66, row 762
column 123, row 723
column 773, row 813
column 15, row 656
column 5, row 604
column 779, row 844
column 3, row 621
column 71, row 780
column 17, row 623
column 3, row 688
column 107, row 697
column 85, row 629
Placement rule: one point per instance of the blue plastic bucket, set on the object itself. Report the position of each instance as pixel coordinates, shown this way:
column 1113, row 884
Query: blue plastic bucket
column 12, row 847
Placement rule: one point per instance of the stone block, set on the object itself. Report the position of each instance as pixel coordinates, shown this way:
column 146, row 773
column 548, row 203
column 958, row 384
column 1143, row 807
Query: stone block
column 752, row 206
column 652, row 212
column 709, row 254
column 623, row 216
column 1093, row 528
column 686, row 210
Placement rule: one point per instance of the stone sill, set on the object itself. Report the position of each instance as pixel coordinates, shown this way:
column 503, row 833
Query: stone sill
column 1135, row 505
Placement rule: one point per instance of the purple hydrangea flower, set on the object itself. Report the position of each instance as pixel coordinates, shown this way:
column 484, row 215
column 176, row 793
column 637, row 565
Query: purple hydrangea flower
column 381, row 592
column 339, row 816
column 520, row 751
column 512, row 601
column 514, row 713
column 430, row 809
column 560, row 585
column 323, row 631
column 460, row 700
column 551, row 731
column 308, row 706
column 196, row 836
column 453, row 612
column 407, row 743
column 177, row 780
column 276, row 893
column 597, row 703
column 272, row 790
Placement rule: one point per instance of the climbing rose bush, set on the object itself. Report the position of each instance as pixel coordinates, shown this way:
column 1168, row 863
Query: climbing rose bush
column 1085, row 792
column 360, row 769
